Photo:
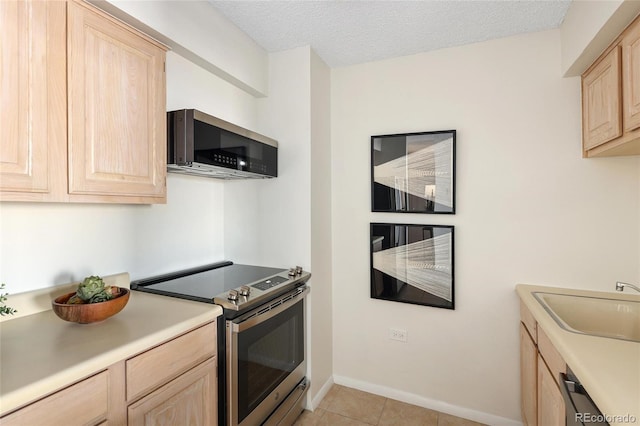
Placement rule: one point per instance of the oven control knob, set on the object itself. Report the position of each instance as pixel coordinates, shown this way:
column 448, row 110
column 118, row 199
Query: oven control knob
column 298, row 270
column 233, row 295
column 292, row 272
column 245, row 290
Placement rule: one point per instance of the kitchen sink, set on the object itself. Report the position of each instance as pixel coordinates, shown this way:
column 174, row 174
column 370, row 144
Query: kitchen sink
column 613, row 318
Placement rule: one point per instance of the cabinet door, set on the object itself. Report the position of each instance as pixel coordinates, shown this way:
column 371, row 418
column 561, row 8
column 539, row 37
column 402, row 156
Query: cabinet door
column 601, row 115
column 631, row 77
column 117, row 118
column 190, row 399
column 551, row 409
column 528, row 378
column 33, row 103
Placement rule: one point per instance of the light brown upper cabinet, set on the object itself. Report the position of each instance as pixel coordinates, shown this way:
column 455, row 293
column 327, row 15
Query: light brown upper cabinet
column 32, row 100
column 117, row 136
column 83, row 114
column 631, row 77
column 611, row 98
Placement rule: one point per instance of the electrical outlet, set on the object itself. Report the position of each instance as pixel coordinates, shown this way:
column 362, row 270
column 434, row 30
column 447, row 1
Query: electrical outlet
column 398, row 334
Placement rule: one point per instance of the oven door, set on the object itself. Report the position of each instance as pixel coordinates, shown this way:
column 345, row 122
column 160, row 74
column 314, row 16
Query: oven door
column 265, row 357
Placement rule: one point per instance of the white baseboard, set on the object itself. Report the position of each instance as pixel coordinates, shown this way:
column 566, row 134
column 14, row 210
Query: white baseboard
column 320, row 395
column 410, row 398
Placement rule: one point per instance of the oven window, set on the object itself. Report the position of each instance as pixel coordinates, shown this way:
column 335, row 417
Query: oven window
column 267, row 353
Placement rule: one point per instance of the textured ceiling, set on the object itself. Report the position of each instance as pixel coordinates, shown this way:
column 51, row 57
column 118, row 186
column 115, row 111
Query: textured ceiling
column 346, row 32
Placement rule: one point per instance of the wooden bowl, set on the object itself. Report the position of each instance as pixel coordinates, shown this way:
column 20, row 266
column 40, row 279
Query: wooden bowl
column 89, row 312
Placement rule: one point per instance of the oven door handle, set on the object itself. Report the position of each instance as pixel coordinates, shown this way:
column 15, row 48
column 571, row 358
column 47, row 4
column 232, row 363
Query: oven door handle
column 275, row 307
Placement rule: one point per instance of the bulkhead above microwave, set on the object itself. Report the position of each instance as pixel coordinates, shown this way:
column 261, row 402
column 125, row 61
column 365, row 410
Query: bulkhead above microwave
column 203, row 145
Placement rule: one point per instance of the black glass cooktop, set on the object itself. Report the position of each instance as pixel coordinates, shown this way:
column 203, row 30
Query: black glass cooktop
column 207, row 284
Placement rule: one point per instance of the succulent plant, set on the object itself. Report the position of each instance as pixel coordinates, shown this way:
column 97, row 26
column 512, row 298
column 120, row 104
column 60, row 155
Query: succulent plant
column 90, row 287
column 103, row 296
column 92, row 290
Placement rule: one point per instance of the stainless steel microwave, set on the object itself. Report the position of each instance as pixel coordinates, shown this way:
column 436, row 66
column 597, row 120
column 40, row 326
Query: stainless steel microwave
column 203, row 145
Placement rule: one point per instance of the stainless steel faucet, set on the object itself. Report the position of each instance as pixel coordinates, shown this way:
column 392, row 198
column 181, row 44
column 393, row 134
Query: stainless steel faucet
column 620, row 286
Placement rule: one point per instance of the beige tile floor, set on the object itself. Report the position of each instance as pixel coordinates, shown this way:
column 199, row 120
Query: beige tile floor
column 344, row 406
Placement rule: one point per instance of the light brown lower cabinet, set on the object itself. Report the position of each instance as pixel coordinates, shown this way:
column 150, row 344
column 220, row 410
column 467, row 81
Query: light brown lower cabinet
column 540, row 367
column 173, row 383
column 528, row 377
column 187, row 400
column 551, row 409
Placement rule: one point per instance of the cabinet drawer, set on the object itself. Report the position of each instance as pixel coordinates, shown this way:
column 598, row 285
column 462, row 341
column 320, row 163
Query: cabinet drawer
column 157, row 366
column 551, row 356
column 84, row 403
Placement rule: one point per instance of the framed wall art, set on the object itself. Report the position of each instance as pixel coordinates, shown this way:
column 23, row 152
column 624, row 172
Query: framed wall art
column 413, row 264
column 413, row 172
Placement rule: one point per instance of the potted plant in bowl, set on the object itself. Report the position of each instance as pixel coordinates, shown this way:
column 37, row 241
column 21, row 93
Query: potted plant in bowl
column 93, row 301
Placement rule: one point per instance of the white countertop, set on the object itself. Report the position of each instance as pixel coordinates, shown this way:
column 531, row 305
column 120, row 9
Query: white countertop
column 609, row 369
column 40, row 353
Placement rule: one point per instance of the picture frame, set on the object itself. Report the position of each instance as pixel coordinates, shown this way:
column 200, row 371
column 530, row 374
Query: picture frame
column 413, row 172
column 413, row 264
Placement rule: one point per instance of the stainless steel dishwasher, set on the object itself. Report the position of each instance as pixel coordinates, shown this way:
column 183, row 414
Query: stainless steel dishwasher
column 579, row 407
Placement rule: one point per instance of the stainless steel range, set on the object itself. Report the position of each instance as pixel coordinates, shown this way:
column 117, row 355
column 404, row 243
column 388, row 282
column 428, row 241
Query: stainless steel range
column 261, row 337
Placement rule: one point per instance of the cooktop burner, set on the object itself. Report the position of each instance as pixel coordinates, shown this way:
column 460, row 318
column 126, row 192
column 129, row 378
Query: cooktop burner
column 235, row 287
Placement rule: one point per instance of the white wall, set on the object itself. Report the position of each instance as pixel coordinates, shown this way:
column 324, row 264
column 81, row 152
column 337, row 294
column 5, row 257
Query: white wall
column 285, row 202
column 270, row 217
column 529, row 210
column 47, row 244
column 321, row 242
column 198, row 32
column 190, row 86
column 588, row 29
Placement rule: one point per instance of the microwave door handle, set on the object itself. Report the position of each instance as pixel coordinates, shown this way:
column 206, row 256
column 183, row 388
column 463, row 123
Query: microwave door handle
column 267, row 314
